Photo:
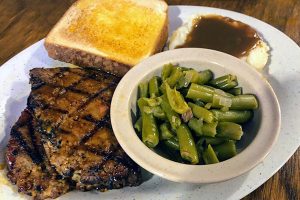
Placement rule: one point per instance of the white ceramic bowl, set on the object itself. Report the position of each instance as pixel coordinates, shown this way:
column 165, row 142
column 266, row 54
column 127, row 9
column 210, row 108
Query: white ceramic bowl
column 259, row 137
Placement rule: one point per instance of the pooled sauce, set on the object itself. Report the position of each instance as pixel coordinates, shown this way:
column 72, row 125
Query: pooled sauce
column 222, row 34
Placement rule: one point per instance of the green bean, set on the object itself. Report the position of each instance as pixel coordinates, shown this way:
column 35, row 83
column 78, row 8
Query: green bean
column 151, row 101
column 226, row 150
column 142, row 103
column 229, row 130
column 174, row 77
column 172, row 116
column 209, row 156
column 150, row 134
column 244, row 102
column 192, row 75
column 184, row 68
column 138, row 125
column 209, row 129
column 203, row 113
column 214, row 141
column 162, row 88
column 196, row 125
column 176, row 101
column 154, row 86
column 204, row 77
column 220, row 101
column 143, row 89
column 204, row 93
column 158, row 112
column 172, row 143
column 236, row 116
column 225, row 82
column 165, row 132
column 200, row 145
column 168, row 149
column 240, row 102
column 199, row 103
column 166, row 71
column 199, row 92
column 208, row 106
column 187, row 145
column 236, row 91
column 182, row 83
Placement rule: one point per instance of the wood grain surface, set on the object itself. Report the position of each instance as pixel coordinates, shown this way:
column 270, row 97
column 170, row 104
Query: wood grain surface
column 24, row 22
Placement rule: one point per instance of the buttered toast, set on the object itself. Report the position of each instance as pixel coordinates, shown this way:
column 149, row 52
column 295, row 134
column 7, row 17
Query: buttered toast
column 110, row 35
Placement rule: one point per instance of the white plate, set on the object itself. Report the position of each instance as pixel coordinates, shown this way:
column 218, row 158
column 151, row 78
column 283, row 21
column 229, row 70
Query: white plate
column 284, row 76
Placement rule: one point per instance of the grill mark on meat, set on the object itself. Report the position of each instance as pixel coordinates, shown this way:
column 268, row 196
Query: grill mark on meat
column 67, row 144
column 69, row 135
column 34, row 177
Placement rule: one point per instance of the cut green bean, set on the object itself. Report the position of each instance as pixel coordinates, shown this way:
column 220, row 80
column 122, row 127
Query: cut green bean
column 166, row 71
column 200, row 112
column 244, row 102
column 225, row 82
column 196, row 126
column 226, row 150
column 187, row 145
column 229, row 130
column 220, row 101
column 209, row 129
column 240, row 102
column 172, row 116
column 204, row 77
column 150, row 134
column 176, row 101
column 154, row 84
column 204, row 93
column 192, row 75
column 174, row 77
column 199, row 103
column 158, row 112
column 200, row 144
column 151, row 101
column 199, row 92
column 236, row 116
column 165, row 132
column 172, row 143
column 236, row 91
column 143, row 90
column 214, row 141
column 138, row 125
column 142, row 103
column 209, row 156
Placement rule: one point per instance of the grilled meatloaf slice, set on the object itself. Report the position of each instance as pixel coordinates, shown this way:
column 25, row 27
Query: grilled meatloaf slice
column 27, row 167
column 71, row 106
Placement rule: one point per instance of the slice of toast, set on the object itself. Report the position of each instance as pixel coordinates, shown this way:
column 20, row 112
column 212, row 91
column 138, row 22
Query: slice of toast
column 110, row 35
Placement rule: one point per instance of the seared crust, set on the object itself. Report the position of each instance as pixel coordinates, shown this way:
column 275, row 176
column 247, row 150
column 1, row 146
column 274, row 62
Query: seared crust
column 64, row 140
column 84, row 59
column 27, row 167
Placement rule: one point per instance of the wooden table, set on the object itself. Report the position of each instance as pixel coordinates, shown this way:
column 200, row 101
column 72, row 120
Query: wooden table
column 23, row 22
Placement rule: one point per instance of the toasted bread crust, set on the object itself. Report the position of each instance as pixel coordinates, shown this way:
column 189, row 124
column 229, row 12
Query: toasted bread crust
column 85, row 59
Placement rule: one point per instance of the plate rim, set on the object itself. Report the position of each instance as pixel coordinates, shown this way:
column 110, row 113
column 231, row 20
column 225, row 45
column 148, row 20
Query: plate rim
column 221, row 12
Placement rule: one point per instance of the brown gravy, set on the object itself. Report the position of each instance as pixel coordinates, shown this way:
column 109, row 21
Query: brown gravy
column 222, row 34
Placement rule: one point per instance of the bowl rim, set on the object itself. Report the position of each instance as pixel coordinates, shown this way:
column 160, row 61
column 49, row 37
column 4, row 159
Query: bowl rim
column 243, row 162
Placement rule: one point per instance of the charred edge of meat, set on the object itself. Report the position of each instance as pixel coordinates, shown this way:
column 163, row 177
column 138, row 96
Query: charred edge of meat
column 26, row 120
column 31, row 177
